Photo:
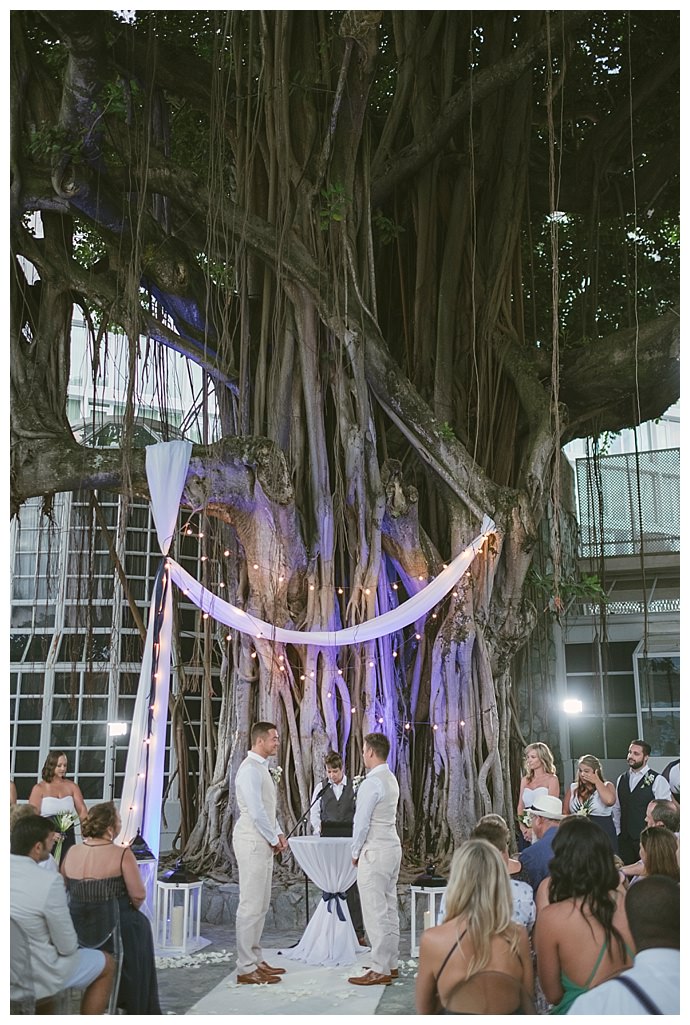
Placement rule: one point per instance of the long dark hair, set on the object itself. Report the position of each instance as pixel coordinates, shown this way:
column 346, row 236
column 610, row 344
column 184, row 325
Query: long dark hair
column 583, row 866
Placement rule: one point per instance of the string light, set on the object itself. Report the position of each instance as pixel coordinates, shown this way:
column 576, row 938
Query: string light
column 256, row 565
column 226, row 552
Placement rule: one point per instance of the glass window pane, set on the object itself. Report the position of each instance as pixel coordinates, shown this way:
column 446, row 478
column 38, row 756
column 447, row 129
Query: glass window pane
column 586, row 735
column 620, row 694
column 18, row 643
column 44, row 615
column 93, row 734
column 662, row 732
column 65, row 709
column 93, row 761
column 30, row 709
column 135, row 565
column 92, row 787
column 71, row 648
column 29, row 735
column 660, row 681
column 585, row 689
column 33, row 683
column 619, row 733
column 95, row 709
column 66, row 683
column 38, row 648
column 619, row 656
column 64, row 735
column 21, row 615
column 26, row 762
column 98, row 648
column 96, row 683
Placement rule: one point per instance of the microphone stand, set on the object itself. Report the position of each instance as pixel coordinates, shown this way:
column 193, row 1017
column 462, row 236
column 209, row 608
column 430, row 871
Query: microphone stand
column 297, row 824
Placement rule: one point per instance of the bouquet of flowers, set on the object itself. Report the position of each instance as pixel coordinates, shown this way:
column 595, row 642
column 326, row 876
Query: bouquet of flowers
column 356, row 780
column 276, row 773
column 526, row 818
column 63, row 821
column 585, row 807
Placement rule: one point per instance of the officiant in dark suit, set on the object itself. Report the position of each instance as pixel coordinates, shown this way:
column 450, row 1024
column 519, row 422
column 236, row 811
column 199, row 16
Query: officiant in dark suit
column 333, row 815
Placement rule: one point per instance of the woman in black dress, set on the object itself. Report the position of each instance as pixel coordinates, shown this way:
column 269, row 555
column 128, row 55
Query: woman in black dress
column 98, row 870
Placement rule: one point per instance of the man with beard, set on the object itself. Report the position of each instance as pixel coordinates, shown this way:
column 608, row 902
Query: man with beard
column 635, row 789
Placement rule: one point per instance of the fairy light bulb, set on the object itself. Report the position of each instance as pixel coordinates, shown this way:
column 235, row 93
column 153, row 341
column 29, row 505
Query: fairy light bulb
column 420, row 578
column 462, row 722
column 371, row 665
column 205, row 615
column 435, row 726
column 256, row 565
column 253, row 655
column 340, row 591
column 380, row 719
column 407, row 725
column 204, row 558
column 353, row 710
column 340, row 672
column 367, row 590
column 329, row 695
column 418, row 636
column 395, row 654
column 311, row 587
column 221, row 585
column 226, row 552
column 189, row 530
column 395, row 587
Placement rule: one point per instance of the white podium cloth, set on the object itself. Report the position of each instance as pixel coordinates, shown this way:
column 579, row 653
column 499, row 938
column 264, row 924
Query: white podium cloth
column 328, row 938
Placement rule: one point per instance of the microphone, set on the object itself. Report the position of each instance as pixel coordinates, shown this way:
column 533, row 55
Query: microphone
column 322, row 791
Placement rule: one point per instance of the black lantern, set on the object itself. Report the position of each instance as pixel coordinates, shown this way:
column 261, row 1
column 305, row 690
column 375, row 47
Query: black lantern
column 140, row 849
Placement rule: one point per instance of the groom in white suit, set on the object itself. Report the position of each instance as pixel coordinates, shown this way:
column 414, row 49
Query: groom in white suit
column 376, row 852
column 256, row 838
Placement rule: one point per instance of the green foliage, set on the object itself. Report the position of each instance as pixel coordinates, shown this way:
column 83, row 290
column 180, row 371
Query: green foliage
column 388, row 231
column 587, row 589
column 88, row 246
column 47, row 142
column 335, row 203
column 446, row 431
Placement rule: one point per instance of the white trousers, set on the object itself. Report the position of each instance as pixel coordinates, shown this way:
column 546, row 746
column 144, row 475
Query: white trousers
column 377, row 877
column 255, row 865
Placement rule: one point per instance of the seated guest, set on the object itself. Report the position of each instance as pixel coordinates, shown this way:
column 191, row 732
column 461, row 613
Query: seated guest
column 658, row 856
column 39, row 905
column 97, row 870
column 19, row 811
column 581, row 936
column 664, row 814
column 546, row 813
column 652, row 985
column 494, row 829
column 478, row 940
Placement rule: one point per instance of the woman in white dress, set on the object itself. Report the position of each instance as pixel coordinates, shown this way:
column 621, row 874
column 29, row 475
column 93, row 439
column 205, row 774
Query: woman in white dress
column 540, row 778
column 56, row 794
column 593, row 796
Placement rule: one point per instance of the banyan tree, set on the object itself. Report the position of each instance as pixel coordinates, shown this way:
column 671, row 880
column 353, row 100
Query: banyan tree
column 414, row 254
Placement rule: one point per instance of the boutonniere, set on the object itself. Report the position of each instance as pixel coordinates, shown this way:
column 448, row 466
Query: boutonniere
column 276, row 773
column 648, row 779
column 356, row 783
column 526, row 819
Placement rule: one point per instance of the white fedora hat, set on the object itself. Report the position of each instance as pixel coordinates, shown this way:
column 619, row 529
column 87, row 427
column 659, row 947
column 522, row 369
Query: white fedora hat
column 548, row 807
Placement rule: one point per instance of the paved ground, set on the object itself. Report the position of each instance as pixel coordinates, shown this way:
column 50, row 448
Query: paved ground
column 181, row 988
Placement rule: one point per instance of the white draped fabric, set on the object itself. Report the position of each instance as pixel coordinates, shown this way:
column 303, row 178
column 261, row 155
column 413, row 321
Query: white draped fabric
column 413, row 609
column 167, row 465
column 328, row 938
column 142, row 793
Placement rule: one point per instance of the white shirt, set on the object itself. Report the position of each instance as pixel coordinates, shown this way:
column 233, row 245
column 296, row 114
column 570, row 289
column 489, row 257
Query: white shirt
column 371, row 791
column 657, row 972
column 248, row 785
column 315, row 815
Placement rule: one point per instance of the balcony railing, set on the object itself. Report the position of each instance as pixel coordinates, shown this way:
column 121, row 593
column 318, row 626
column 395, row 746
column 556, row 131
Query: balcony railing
column 628, row 503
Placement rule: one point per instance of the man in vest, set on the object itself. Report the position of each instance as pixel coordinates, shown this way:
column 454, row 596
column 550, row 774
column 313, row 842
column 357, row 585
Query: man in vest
column 256, row 838
column 376, row 852
column 332, row 814
column 636, row 788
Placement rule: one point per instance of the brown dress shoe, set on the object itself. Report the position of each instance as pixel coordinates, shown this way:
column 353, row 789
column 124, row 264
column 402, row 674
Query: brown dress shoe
column 271, row 971
column 371, row 979
column 394, row 972
column 257, row 978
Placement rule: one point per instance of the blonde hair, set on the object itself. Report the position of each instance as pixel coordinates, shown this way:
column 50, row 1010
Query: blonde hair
column 479, row 891
column 545, row 756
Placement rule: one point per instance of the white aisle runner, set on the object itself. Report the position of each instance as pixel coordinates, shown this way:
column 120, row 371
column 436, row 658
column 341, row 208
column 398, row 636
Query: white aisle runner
column 304, row 989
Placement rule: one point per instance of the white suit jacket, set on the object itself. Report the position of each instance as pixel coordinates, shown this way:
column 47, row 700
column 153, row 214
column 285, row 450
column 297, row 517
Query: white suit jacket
column 38, row 902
